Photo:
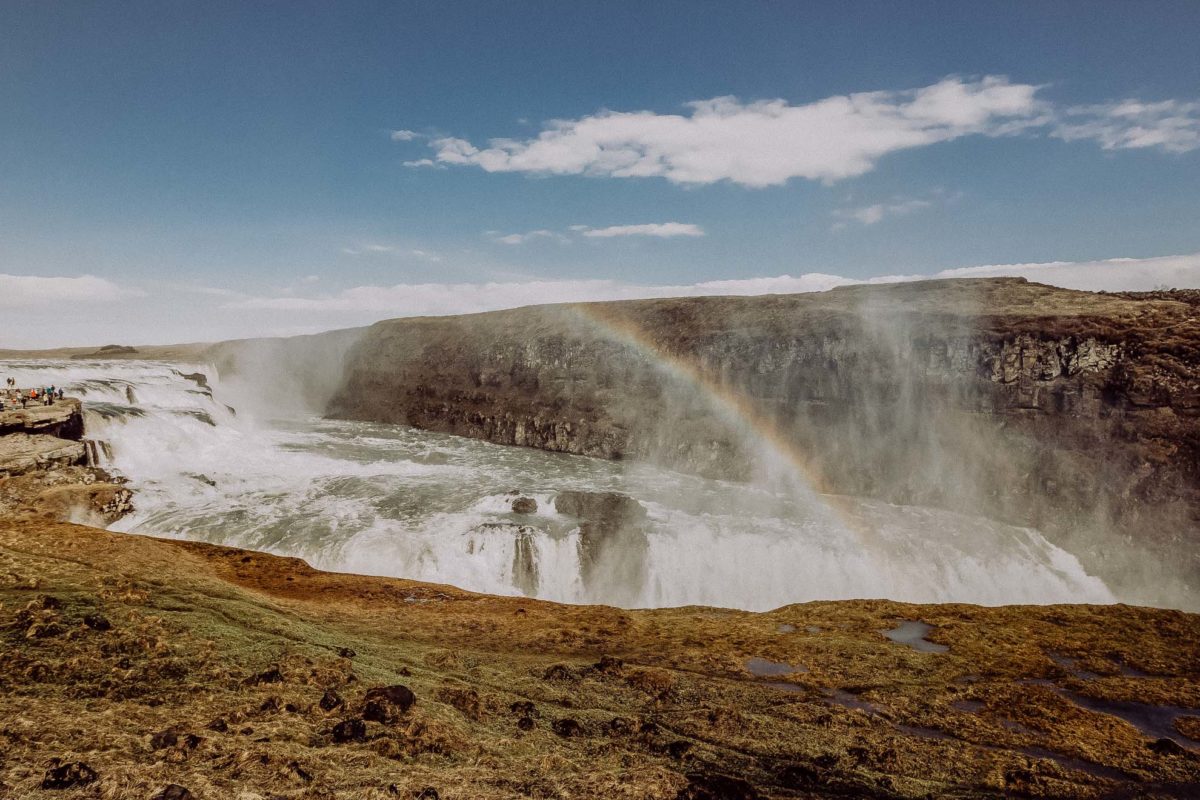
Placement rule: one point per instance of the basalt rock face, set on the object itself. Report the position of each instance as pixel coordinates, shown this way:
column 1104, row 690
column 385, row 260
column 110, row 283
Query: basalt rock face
column 1072, row 411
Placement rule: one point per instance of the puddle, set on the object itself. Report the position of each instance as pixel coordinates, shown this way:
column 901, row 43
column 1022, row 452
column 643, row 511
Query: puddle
column 1067, row 664
column 1077, row 764
column 762, row 668
column 840, row 697
column 969, row 706
column 785, row 628
column 812, row 629
column 1156, row 722
column 912, row 634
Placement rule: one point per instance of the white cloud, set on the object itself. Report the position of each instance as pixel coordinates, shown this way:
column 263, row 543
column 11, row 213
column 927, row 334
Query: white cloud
column 1131, row 124
column 463, row 298
column 24, row 291
column 663, row 230
column 877, row 212
column 403, row 135
column 768, row 142
column 763, row 143
column 1108, row 275
column 522, row 238
column 390, row 250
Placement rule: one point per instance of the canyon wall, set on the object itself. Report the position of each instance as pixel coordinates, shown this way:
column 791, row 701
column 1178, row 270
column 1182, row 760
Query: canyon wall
column 1075, row 412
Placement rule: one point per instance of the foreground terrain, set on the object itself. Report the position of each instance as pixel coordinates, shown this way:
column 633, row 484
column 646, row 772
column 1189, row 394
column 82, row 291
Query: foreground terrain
column 138, row 667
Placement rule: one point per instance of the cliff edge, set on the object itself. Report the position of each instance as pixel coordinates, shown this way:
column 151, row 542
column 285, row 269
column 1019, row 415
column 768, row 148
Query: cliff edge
column 1075, row 412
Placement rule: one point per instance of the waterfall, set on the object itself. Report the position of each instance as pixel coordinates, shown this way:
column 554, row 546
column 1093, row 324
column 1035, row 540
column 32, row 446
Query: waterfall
column 389, row 500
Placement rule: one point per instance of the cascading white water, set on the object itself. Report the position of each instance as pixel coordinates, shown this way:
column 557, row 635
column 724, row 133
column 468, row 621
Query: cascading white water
column 386, row 500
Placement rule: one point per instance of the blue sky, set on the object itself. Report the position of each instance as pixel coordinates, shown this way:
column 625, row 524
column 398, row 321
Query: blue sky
column 199, row 171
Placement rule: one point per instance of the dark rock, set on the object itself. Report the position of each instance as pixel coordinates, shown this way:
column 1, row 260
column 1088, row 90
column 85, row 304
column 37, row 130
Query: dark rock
column 678, row 749
column 219, row 725
column 97, row 623
column 272, row 675
column 524, row 708
column 331, row 700
column 559, row 672
column 619, row 726
column 68, row 775
column 525, row 723
column 300, row 772
column 350, row 730
column 567, row 727
column 346, row 652
column 1167, row 747
column 716, row 787
column 604, row 509
column 524, row 505
column 398, row 695
column 386, row 703
column 164, row 739
column 173, row 791
column 270, row 704
column 428, row 793
column 609, row 665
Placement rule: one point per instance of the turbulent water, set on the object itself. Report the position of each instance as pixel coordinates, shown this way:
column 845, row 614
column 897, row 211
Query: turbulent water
column 387, row 500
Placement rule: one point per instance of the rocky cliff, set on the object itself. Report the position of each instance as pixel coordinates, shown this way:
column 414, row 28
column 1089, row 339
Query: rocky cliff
column 1075, row 412
column 45, row 467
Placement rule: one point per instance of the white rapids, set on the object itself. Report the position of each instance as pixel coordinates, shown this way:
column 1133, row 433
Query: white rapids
column 387, row 500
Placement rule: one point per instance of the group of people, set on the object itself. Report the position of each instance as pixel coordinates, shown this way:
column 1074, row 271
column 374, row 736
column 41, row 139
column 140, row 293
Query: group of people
column 14, row 396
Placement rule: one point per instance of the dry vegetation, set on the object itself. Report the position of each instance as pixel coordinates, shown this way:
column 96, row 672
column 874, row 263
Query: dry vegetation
column 130, row 665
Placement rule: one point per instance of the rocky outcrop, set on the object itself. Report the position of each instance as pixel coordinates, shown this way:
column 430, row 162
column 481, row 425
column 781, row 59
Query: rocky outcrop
column 45, row 467
column 21, row 453
column 63, row 419
column 1073, row 411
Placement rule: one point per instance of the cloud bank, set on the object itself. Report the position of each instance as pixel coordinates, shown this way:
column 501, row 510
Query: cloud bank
column 26, row 291
column 432, row 299
column 769, row 142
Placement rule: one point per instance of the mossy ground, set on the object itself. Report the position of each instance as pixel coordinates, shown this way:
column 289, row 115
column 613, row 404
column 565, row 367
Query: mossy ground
column 159, row 662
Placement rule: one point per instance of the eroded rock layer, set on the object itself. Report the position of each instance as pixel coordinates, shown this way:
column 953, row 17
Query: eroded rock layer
column 1075, row 412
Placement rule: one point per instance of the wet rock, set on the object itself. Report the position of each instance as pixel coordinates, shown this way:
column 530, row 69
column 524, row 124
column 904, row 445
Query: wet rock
column 567, row 727
column 331, row 700
column 173, row 791
column 524, row 505
column 68, row 775
column 606, row 510
column 350, row 730
column 97, row 622
column 716, row 787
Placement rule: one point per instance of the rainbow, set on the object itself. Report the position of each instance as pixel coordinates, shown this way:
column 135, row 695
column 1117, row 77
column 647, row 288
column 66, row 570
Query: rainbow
column 736, row 408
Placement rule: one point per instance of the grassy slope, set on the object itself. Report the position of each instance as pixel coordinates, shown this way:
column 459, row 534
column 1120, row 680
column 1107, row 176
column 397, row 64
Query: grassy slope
column 193, row 624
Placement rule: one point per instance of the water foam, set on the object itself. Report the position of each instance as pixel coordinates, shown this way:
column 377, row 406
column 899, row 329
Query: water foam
column 386, row 500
